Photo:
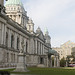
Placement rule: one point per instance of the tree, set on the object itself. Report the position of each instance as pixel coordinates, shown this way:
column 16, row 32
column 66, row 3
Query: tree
column 62, row 62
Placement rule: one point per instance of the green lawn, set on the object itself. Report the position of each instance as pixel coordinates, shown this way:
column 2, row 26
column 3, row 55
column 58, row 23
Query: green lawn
column 48, row 71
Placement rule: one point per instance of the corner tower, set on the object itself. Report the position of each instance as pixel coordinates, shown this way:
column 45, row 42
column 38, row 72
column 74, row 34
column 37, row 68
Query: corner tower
column 47, row 37
column 30, row 26
column 16, row 11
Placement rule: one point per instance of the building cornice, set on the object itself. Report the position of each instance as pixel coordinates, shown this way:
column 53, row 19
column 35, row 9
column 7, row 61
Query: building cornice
column 7, row 48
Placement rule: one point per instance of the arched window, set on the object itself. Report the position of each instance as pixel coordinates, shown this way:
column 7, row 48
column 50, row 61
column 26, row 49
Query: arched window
column 41, row 60
column 10, row 16
column 19, row 16
column 6, row 39
column 12, row 41
column 17, row 43
column 26, row 46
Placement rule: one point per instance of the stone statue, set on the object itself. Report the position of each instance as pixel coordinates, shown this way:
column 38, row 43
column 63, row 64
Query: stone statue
column 22, row 46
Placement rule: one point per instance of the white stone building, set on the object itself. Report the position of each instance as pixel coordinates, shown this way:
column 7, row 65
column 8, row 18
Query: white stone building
column 17, row 36
column 65, row 49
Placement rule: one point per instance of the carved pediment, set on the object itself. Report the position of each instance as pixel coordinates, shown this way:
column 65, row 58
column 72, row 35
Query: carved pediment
column 41, row 36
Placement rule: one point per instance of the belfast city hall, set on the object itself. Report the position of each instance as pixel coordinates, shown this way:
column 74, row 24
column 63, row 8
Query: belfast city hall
column 18, row 38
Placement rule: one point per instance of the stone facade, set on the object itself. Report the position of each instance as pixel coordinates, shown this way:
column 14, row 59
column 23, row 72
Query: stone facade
column 17, row 36
column 65, row 49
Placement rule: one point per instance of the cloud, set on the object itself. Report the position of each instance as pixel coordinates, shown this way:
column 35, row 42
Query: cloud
column 57, row 15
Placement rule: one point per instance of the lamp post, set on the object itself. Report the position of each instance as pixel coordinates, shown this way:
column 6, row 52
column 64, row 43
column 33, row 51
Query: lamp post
column 47, row 58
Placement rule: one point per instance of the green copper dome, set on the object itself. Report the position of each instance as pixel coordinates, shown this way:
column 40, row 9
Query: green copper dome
column 46, row 31
column 51, row 51
column 13, row 2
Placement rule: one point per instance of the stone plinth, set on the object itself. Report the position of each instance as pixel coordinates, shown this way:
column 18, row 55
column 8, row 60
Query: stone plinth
column 21, row 65
column 41, row 65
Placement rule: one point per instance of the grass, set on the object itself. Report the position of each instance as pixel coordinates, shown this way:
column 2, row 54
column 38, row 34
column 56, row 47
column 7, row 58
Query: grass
column 46, row 71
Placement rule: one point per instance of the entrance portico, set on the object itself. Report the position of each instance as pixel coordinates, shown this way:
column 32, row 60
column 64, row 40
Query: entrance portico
column 55, row 55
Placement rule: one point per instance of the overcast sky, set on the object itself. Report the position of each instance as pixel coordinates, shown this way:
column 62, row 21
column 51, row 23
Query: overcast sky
column 57, row 15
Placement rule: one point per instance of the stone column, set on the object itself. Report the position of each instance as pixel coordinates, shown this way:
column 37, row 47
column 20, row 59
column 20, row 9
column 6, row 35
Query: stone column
column 9, row 37
column 24, row 22
column 55, row 61
column 0, row 31
column 28, row 45
column 5, row 35
column 9, row 58
column 33, row 45
column 50, row 61
column 47, row 61
column 15, row 41
column 2, row 36
column 41, row 48
column 20, row 42
column 25, row 45
column 36, row 46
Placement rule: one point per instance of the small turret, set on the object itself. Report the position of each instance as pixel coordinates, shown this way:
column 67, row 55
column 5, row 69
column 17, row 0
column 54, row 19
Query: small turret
column 30, row 26
column 46, row 31
column 38, row 31
column 47, row 37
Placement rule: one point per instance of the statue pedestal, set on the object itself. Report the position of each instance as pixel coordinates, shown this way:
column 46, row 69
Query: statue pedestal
column 21, row 65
